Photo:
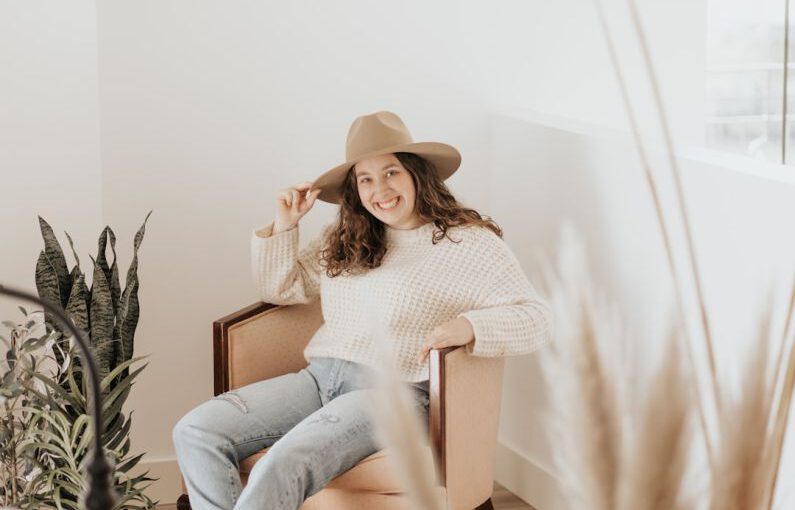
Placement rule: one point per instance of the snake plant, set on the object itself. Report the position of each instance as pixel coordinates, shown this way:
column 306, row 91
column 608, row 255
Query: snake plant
column 107, row 315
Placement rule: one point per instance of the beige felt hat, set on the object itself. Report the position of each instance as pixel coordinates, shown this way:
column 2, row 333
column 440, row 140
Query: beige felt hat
column 383, row 133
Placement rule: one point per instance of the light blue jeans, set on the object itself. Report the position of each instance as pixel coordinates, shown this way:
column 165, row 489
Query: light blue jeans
column 315, row 420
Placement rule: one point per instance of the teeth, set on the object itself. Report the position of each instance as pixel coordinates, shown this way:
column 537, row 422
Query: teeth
column 388, row 205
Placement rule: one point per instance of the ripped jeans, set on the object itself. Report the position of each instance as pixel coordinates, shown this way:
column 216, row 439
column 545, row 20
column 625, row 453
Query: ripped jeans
column 316, row 422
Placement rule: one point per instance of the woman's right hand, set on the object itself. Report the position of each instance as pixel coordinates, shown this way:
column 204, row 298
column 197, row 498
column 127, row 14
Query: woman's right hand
column 292, row 204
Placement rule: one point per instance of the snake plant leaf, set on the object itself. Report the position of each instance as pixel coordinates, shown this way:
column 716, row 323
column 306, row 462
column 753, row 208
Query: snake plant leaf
column 76, row 271
column 49, row 290
column 115, row 287
column 72, row 246
column 129, row 307
column 78, row 309
column 101, row 246
column 54, row 253
column 111, row 271
column 48, row 285
column 77, row 306
column 101, row 319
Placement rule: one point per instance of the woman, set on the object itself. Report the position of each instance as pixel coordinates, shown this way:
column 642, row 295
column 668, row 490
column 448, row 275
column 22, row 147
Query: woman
column 436, row 273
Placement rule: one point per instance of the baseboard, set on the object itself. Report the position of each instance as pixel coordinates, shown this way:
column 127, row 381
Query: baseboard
column 527, row 479
column 167, row 488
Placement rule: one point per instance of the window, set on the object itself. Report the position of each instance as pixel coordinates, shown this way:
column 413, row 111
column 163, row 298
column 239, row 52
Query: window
column 746, row 79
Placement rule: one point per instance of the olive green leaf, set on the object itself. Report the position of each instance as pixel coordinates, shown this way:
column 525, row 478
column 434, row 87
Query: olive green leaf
column 111, row 272
column 47, row 282
column 101, row 321
column 115, row 287
column 54, row 253
column 72, row 245
column 129, row 308
column 78, row 309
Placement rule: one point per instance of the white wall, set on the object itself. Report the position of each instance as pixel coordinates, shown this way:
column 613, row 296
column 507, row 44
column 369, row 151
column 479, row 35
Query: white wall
column 49, row 136
column 552, row 57
column 573, row 172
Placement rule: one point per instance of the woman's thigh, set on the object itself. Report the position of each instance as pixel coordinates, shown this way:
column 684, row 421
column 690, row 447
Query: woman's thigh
column 332, row 439
column 255, row 416
column 325, row 444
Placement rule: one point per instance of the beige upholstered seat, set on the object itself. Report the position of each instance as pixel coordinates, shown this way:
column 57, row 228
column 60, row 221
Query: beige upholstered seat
column 265, row 340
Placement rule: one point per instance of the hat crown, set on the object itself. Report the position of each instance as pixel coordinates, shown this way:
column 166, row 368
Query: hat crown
column 373, row 132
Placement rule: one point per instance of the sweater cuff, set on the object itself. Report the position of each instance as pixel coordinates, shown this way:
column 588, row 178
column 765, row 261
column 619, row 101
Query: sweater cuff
column 265, row 245
column 267, row 230
column 484, row 343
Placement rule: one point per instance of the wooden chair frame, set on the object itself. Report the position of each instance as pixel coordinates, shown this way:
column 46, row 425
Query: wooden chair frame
column 436, row 414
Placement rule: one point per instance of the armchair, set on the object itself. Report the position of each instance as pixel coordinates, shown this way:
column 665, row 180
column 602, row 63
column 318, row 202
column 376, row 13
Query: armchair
column 266, row 340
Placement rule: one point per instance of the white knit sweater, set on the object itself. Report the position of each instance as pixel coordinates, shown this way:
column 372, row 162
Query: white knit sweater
column 418, row 287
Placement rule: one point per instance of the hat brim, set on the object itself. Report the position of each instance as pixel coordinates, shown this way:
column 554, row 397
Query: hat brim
column 445, row 157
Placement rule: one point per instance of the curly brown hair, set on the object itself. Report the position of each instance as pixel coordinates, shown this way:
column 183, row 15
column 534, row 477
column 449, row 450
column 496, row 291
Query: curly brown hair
column 357, row 242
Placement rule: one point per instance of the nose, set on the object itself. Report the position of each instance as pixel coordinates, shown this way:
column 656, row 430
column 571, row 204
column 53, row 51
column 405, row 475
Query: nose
column 381, row 187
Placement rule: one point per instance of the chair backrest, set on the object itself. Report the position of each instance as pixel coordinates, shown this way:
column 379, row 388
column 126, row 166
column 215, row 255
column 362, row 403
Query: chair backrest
column 271, row 343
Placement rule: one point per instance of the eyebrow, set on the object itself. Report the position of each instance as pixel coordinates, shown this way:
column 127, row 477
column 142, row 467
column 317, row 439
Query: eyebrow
column 357, row 173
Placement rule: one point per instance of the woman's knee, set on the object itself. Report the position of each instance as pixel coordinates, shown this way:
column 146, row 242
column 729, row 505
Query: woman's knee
column 183, row 429
column 195, row 425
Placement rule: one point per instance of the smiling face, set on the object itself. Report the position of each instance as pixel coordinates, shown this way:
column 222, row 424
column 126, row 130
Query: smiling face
column 382, row 179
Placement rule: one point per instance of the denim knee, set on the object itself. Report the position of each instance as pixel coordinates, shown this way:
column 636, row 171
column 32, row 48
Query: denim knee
column 292, row 472
column 182, row 430
column 191, row 428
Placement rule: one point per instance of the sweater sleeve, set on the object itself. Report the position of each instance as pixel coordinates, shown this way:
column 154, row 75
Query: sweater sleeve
column 509, row 317
column 282, row 274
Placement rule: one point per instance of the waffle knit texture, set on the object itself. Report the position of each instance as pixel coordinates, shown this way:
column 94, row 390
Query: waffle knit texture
column 418, row 286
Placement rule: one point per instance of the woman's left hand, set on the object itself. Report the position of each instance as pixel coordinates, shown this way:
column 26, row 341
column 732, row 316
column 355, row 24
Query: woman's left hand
column 455, row 332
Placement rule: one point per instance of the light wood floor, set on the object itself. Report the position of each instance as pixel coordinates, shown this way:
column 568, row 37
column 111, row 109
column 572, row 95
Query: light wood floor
column 502, row 500
column 506, row 500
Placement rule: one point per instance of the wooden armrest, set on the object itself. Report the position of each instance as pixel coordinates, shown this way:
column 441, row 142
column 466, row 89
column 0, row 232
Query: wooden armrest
column 464, row 413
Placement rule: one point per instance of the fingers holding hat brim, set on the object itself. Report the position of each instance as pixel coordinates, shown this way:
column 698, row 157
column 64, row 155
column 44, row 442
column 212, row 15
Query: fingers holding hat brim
column 445, row 158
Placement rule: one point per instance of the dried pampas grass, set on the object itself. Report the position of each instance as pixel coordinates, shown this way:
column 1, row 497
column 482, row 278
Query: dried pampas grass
column 618, row 454
column 654, row 466
column 779, row 422
column 586, row 420
column 743, row 465
column 399, row 428
column 604, row 463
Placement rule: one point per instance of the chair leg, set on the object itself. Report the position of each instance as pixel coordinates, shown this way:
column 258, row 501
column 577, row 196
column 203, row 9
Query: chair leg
column 183, row 503
column 486, row 505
